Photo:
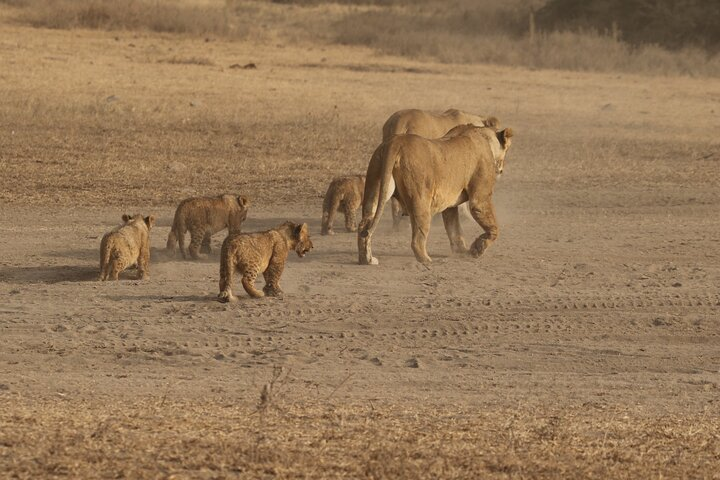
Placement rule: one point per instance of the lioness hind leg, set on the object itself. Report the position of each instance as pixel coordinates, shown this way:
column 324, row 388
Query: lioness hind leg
column 451, row 219
column 420, row 221
column 484, row 215
column 364, row 244
column 397, row 213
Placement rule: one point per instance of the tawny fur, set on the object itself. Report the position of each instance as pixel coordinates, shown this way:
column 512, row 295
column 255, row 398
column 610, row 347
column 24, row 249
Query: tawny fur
column 126, row 245
column 432, row 176
column 263, row 252
column 203, row 217
column 429, row 125
column 344, row 193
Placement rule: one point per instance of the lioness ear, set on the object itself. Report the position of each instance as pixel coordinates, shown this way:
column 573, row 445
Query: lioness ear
column 297, row 231
column 243, row 201
column 504, row 135
column 126, row 218
column 491, row 122
column 150, row 221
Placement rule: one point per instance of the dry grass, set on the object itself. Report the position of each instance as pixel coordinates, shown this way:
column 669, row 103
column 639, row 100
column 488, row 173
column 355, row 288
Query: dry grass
column 499, row 37
column 187, row 61
column 159, row 437
column 194, row 143
column 461, row 31
column 129, row 15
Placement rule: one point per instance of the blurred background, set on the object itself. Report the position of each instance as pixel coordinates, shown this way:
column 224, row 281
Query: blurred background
column 641, row 36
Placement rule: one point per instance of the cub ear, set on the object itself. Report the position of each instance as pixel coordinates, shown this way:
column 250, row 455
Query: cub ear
column 126, row 218
column 491, row 122
column 243, row 201
column 150, row 221
column 300, row 229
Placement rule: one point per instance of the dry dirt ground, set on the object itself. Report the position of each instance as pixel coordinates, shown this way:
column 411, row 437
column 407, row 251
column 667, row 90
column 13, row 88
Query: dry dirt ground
column 585, row 343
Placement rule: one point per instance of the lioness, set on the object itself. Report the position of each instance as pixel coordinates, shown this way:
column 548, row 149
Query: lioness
column 203, row 217
column 266, row 252
column 432, row 125
column 126, row 245
column 428, row 125
column 431, row 176
column 345, row 192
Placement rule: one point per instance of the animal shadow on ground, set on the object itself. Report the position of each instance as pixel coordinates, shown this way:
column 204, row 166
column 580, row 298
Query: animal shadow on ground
column 49, row 274
column 165, row 298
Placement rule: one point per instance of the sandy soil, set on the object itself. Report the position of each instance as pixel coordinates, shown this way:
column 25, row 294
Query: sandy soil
column 586, row 342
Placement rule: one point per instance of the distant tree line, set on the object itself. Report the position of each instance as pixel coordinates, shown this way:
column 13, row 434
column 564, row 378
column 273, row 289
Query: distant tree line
column 670, row 23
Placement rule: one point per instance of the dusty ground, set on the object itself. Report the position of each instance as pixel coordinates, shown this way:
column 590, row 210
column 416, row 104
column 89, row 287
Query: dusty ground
column 586, row 342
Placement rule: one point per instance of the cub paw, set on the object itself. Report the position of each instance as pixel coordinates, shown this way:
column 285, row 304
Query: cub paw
column 226, row 297
column 272, row 292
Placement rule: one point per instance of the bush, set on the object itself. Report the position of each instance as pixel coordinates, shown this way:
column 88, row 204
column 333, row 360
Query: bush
column 671, row 23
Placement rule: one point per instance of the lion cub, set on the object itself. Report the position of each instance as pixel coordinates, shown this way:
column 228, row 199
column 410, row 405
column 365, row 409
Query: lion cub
column 345, row 192
column 126, row 245
column 266, row 252
column 203, row 217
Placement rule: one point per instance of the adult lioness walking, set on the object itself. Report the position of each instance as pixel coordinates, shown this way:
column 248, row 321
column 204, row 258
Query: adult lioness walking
column 428, row 125
column 431, row 176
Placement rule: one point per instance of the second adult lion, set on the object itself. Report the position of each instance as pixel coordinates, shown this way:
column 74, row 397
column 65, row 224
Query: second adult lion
column 432, row 125
column 432, row 176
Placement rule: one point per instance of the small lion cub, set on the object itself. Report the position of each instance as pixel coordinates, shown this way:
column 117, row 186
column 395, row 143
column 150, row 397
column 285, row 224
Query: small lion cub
column 261, row 252
column 204, row 217
column 346, row 193
column 126, row 245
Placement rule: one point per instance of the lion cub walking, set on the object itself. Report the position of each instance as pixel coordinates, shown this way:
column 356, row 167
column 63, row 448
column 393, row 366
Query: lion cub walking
column 346, row 193
column 203, row 217
column 126, row 245
column 266, row 252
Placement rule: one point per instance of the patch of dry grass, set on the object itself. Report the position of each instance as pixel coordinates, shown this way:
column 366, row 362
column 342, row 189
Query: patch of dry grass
column 129, row 15
column 187, row 61
column 154, row 437
column 499, row 37
column 460, row 31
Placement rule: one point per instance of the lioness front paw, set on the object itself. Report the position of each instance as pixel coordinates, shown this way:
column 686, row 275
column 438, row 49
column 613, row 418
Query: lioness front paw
column 478, row 247
column 460, row 249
